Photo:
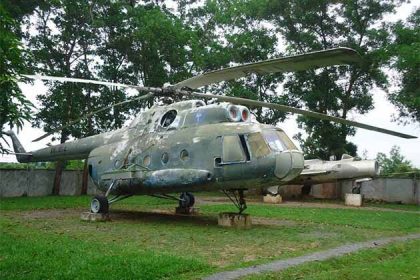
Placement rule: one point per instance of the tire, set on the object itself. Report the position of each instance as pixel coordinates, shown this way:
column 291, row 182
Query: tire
column 187, row 200
column 99, row 204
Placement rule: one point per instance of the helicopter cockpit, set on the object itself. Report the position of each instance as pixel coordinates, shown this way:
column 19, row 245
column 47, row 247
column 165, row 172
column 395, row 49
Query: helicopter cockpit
column 243, row 147
column 278, row 141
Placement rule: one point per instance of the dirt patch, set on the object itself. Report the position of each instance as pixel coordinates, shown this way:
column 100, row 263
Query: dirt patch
column 157, row 215
column 272, row 222
column 164, row 216
column 48, row 213
column 301, row 204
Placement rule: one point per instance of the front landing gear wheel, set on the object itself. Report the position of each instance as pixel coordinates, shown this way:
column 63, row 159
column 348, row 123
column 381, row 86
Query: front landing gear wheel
column 186, row 200
column 99, row 204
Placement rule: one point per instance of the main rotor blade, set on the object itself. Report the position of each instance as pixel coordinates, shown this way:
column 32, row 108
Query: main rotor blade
column 146, row 96
column 337, row 56
column 288, row 109
column 86, row 81
column 283, row 108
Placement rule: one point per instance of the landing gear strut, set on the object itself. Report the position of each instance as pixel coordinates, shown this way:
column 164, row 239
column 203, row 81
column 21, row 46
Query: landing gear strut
column 100, row 203
column 237, row 198
column 185, row 200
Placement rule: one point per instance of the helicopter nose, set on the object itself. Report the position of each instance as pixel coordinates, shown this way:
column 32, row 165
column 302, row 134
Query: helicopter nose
column 289, row 164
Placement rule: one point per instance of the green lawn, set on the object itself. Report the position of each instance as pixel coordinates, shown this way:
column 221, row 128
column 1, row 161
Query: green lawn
column 45, row 238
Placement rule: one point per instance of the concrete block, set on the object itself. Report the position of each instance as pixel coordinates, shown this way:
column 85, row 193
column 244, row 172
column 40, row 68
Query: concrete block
column 352, row 199
column 187, row 211
column 272, row 199
column 94, row 217
column 234, row 220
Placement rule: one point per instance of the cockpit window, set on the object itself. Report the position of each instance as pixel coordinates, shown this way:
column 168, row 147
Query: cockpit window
column 273, row 140
column 286, row 140
column 257, row 145
column 278, row 140
column 168, row 118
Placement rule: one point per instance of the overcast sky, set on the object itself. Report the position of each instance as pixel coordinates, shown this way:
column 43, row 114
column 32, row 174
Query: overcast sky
column 369, row 141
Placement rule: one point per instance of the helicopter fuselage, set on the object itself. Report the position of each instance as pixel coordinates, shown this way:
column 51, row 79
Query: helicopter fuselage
column 185, row 146
column 199, row 149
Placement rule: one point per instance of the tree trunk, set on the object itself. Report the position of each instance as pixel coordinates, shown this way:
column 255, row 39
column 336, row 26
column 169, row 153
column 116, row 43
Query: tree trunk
column 59, row 167
column 85, row 179
column 57, row 178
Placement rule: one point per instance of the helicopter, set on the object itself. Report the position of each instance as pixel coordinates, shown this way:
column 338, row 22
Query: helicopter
column 189, row 146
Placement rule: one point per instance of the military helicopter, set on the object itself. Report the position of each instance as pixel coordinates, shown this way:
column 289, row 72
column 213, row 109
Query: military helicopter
column 189, row 146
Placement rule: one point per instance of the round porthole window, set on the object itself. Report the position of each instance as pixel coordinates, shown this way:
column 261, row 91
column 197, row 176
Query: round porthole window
column 165, row 158
column 184, row 155
column 146, row 161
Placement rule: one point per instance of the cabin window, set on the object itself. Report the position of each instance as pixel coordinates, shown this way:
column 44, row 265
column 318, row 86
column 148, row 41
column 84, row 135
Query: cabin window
column 165, row 158
column 184, row 155
column 168, row 118
column 232, row 149
column 146, row 161
column 257, row 145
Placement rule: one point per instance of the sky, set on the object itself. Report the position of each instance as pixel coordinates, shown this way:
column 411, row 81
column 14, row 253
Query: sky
column 368, row 142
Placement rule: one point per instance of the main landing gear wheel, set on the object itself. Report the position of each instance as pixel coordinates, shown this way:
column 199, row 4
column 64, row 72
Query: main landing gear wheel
column 186, row 200
column 99, row 204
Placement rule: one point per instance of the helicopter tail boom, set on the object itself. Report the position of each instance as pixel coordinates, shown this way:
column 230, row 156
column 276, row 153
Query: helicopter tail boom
column 77, row 149
column 20, row 152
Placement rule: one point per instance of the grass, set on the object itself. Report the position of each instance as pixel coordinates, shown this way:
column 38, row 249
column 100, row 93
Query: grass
column 395, row 206
column 350, row 218
column 43, row 237
column 28, row 254
column 396, row 261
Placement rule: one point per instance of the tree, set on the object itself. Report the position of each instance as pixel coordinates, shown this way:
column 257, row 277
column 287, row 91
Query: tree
column 394, row 163
column 14, row 107
column 228, row 32
column 339, row 91
column 114, row 41
column 405, row 53
column 63, row 45
column 141, row 44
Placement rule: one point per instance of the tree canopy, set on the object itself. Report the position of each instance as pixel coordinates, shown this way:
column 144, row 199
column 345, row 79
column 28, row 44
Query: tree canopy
column 405, row 55
column 395, row 162
column 156, row 42
column 14, row 107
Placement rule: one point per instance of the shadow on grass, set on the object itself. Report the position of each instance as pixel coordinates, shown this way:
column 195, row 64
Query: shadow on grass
column 161, row 217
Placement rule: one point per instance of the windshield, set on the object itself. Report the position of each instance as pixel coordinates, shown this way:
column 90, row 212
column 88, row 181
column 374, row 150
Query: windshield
column 278, row 140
